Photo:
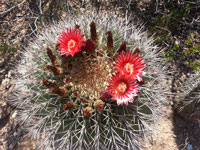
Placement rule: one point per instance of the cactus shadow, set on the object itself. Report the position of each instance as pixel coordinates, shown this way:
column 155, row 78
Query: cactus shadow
column 187, row 131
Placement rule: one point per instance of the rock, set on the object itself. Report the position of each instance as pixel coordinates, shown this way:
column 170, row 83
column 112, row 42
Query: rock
column 9, row 136
column 4, row 110
column 14, row 114
column 2, row 71
column 9, row 75
column 2, row 62
column 5, row 83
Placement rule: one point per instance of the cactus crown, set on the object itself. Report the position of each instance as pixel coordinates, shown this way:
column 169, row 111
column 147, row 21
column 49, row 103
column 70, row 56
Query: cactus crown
column 88, row 89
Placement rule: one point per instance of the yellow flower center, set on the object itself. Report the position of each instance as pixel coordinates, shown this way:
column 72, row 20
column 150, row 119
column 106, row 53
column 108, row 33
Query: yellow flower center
column 121, row 88
column 71, row 44
column 129, row 68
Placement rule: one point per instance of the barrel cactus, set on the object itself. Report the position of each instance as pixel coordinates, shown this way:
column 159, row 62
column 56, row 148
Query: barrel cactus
column 90, row 82
column 189, row 98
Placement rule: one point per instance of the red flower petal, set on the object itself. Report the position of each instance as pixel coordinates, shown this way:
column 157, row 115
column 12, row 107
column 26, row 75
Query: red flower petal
column 130, row 65
column 122, row 89
column 70, row 42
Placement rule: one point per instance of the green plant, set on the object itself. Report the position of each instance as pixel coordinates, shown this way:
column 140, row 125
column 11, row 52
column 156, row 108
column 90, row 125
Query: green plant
column 51, row 9
column 170, row 24
column 191, row 53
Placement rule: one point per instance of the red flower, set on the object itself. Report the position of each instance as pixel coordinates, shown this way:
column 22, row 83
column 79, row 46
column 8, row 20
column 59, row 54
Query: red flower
column 70, row 42
column 130, row 65
column 122, row 89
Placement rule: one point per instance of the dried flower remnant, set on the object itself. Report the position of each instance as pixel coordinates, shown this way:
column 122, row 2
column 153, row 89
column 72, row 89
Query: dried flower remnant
column 57, row 71
column 122, row 89
column 70, row 42
column 87, row 112
column 77, row 26
column 57, row 46
column 48, row 84
column 54, row 88
column 60, row 90
column 52, row 57
column 93, row 32
column 98, row 105
column 137, row 51
column 130, row 65
column 69, row 106
column 109, row 44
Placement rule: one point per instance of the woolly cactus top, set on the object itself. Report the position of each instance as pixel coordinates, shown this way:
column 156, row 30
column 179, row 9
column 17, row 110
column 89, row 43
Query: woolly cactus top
column 76, row 76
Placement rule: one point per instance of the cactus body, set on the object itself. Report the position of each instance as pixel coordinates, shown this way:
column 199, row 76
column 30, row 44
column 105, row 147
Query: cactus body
column 189, row 104
column 61, row 98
